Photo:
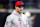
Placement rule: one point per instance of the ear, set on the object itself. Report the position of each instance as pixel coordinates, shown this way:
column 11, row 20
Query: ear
column 15, row 6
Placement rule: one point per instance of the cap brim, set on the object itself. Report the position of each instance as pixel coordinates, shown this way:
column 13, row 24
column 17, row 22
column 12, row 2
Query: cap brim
column 20, row 6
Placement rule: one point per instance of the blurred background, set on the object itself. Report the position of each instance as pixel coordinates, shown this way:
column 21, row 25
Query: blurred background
column 32, row 6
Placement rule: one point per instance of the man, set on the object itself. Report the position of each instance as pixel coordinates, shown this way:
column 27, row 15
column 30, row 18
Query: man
column 17, row 18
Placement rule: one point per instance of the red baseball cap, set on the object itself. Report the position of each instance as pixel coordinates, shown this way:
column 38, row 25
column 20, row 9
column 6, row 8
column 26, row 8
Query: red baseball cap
column 19, row 3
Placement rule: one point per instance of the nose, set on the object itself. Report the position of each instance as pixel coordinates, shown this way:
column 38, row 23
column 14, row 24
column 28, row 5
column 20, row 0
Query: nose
column 21, row 8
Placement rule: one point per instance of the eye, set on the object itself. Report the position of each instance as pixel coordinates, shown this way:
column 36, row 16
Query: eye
column 21, row 7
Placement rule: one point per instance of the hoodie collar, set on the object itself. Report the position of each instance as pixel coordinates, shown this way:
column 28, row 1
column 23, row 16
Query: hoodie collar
column 14, row 12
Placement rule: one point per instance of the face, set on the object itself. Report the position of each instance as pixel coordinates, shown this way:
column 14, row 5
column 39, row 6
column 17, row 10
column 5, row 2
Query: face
column 19, row 9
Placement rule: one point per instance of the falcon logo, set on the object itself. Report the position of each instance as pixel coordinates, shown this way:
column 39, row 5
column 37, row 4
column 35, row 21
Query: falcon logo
column 20, row 2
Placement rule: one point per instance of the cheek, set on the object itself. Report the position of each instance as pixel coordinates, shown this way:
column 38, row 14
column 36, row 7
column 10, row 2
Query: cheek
column 18, row 9
column 21, row 9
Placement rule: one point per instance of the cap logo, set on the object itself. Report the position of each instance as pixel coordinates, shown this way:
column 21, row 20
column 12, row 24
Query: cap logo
column 20, row 2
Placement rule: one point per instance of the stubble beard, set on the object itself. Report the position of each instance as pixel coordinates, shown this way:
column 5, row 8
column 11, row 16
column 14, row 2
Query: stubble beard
column 19, row 12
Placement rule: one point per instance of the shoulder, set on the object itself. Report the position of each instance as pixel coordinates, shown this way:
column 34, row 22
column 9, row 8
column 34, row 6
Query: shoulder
column 25, row 17
column 10, row 17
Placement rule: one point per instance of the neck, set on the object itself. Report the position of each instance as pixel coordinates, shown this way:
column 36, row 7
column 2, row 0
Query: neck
column 18, row 12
